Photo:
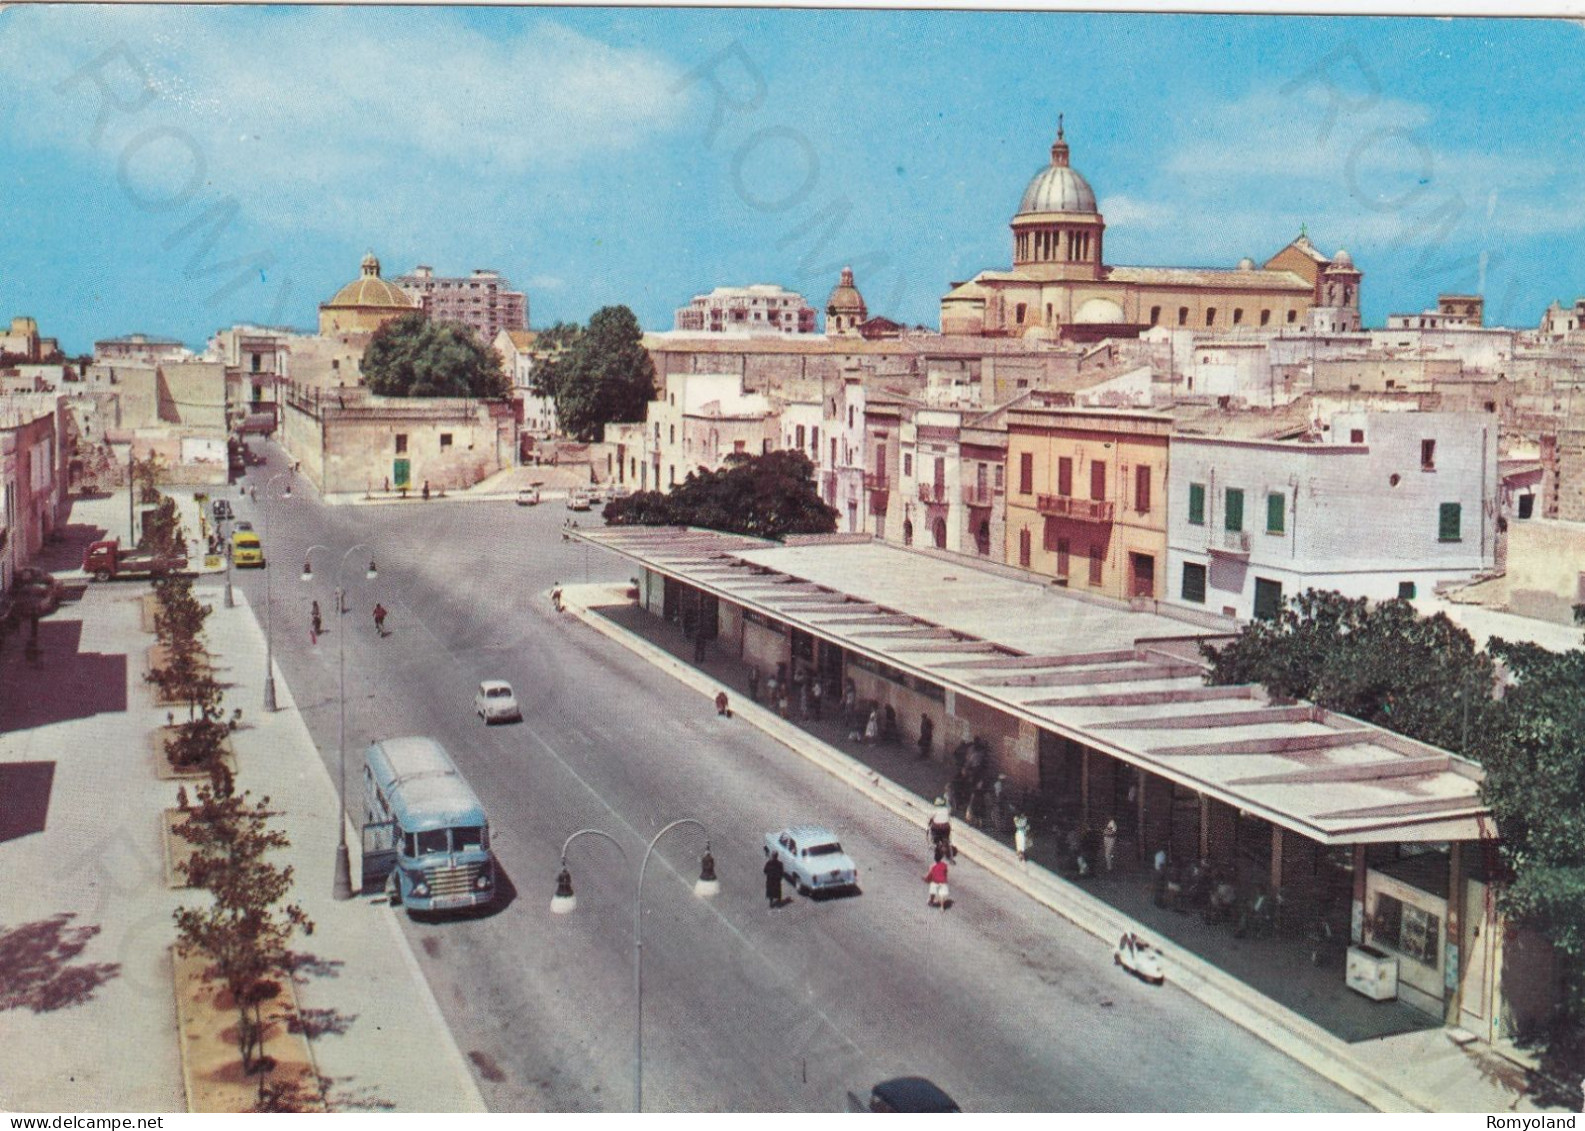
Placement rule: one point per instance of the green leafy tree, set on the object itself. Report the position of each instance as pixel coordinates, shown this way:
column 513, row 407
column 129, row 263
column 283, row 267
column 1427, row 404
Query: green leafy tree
column 605, row 375
column 767, row 496
column 416, row 356
column 550, row 349
column 247, row 928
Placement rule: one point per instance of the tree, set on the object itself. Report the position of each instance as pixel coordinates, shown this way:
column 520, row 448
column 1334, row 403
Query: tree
column 550, row 349
column 766, row 496
column 416, row 356
column 606, row 375
column 247, row 928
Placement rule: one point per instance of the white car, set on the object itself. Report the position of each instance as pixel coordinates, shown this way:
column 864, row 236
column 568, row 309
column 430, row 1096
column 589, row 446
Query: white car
column 496, row 703
column 528, row 497
column 1139, row 958
column 812, row 859
column 578, row 500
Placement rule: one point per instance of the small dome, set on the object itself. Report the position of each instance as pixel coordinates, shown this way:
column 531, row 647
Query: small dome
column 1246, row 264
column 1342, row 259
column 1058, row 187
column 371, row 290
column 845, row 297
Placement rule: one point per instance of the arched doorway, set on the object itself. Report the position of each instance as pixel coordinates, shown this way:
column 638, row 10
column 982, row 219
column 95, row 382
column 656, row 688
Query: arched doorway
column 941, row 533
column 908, row 532
column 982, row 538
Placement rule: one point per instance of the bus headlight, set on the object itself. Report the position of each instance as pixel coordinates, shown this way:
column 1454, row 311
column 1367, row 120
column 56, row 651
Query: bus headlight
column 483, row 882
column 421, row 890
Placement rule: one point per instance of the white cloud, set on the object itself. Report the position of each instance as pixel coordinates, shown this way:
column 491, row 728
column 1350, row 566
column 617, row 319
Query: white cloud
column 547, row 283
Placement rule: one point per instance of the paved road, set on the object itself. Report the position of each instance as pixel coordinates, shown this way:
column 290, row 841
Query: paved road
column 745, row 1009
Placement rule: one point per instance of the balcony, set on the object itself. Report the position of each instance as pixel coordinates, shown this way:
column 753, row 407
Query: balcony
column 977, row 496
column 876, row 481
column 932, row 492
column 1081, row 510
column 1234, row 543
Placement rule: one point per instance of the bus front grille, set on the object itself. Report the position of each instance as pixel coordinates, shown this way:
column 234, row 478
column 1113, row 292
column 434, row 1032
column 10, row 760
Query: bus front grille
column 444, row 882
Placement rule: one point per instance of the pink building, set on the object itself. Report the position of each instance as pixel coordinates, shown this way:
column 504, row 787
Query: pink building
column 483, row 301
column 763, row 308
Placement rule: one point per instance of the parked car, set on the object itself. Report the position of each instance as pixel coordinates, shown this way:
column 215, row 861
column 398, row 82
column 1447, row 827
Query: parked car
column 911, row 1094
column 813, row 860
column 243, row 524
column 35, row 593
column 496, row 702
column 528, row 497
column 221, row 509
column 1139, row 958
column 578, row 500
column 246, row 550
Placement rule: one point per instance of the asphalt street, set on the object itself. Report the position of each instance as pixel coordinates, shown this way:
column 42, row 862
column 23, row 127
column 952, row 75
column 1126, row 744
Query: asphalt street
column 1001, row 1002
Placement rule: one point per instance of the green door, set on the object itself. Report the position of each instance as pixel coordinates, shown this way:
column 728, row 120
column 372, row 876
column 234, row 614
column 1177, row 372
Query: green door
column 401, row 473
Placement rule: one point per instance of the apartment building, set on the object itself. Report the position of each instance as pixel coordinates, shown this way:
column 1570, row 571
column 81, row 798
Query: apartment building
column 483, row 301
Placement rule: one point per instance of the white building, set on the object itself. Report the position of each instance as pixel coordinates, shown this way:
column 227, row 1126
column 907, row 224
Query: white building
column 762, row 308
column 516, row 349
column 699, row 420
column 1384, row 505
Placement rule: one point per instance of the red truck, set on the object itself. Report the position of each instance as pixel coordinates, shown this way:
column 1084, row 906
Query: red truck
column 106, row 560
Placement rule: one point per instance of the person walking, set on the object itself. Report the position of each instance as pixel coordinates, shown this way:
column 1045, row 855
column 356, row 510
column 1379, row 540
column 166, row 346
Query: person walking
column 936, row 878
column 721, row 705
column 816, row 693
column 317, row 624
column 1109, row 844
column 1021, row 837
column 753, row 684
column 773, row 878
column 872, row 729
column 426, row 490
column 379, row 618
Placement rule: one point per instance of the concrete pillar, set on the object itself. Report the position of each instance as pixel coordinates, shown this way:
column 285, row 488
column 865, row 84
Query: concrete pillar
column 1221, row 833
column 1356, row 927
column 1155, row 810
column 1205, row 827
column 1276, row 858
column 1452, row 948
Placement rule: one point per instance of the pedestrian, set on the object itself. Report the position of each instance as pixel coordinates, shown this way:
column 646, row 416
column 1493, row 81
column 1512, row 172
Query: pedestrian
column 318, row 624
column 872, row 729
column 426, row 490
column 937, row 879
column 753, row 683
column 782, row 703
column 555, row 596
column 1109, row 843
column 1021, row 837
column 816, row 694
column 379, row 618
column 850, row 719
column 773, row 878
column 927, row 735
column 387, row 485
column 721, row 707
column 770, row 690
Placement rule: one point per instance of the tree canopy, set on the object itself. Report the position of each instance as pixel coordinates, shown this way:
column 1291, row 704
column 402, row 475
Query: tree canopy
column 416, row 356
column 767, row 496
column 601, row 374
column 1523, row 721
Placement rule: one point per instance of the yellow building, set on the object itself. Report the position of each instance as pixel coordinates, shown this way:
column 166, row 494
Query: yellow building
column 1061, row 286
column 365, row 304
column 1087, row 498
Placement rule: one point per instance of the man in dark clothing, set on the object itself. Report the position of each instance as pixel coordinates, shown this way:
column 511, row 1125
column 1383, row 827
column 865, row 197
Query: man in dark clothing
column 379, row 618
column 773, row 878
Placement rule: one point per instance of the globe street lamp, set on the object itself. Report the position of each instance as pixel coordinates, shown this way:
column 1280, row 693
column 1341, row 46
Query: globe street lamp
column 565, row 902
column 343, row 884
column 269, row 606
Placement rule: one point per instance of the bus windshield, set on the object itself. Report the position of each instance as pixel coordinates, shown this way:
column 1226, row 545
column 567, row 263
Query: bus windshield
column 471, row 837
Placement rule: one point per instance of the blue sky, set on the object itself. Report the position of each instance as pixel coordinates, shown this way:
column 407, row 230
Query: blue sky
column 175, row 170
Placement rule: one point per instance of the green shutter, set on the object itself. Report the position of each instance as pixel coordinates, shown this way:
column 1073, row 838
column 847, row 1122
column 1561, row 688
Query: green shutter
column 1197, row 504
column 1194, row 583
column 1276, row 512
column 1448, row 523
column 1235, row 509
column 1268, row 599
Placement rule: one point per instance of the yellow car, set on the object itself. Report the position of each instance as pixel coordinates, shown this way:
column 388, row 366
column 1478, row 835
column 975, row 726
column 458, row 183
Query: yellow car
column 246, row 550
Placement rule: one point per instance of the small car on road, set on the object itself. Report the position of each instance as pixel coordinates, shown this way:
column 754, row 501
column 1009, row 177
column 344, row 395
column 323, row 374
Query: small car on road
column 528, row 497
column 1139, row 958
column 497, row 703
column 246, row 550
column 911, row 1094
column 221, row 509
column 813, row 860
column 578, row 500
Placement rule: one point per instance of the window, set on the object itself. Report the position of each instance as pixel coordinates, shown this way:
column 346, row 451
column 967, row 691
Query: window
column 1194, row 582
column 814, row 441
column 1183, row 316
column 1018, row 313
column 1293, row 316
column 908, row 464
column 1407, row 929
column 739, row 445
column 1448, row 521
column 799, row 441
column 1097, row 561
column 1064, row 553
column 1265, row 317
column 999, row 476
column 1526, row 506
column 1268, row 599
column 1276, row 512
column 1026, row 472
column 1210, row 316
column 445, row 440
column 850, row 416
column 1097, row 479
column 1049, row 541
column 401, row 443
column 1196, row 504
column 1238, row 315
column 673, row 433
column 1234, row 516
column 1406, row 591
column 1427, row 455
column 1023, row 546
column 1155, row 315
column 1064, row 476
column 1142, row 488
column 1356, row 435
column 908, row 533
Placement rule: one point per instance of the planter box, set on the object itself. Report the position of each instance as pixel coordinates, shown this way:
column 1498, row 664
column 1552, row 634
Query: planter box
column 167, row 772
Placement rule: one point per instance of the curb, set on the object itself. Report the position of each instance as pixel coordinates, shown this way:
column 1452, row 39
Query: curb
column 1287, row 1032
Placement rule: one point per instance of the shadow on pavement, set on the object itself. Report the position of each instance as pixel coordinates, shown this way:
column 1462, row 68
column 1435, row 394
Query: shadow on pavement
column 36, row 970
column 25, row 786
column 63, row 683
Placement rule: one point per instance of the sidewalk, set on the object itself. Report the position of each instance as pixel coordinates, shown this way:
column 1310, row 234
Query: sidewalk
column 554, row 482
column 1392, row 1058
column 80, row 821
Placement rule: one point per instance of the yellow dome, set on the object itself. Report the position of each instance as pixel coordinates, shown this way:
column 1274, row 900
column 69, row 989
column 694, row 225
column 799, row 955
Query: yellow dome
column 371, row 290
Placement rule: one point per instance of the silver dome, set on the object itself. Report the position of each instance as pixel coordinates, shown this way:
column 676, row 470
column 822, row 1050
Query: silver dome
column 1058, row 188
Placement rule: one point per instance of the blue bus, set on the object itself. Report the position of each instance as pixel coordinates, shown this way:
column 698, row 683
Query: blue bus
column 425, row 836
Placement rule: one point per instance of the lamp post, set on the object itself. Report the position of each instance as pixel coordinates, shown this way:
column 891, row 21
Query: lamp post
column 343, row 884
column 564, row 902
column 269, row 606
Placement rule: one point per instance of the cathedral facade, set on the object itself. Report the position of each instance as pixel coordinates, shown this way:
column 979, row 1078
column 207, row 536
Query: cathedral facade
column 1061, row 286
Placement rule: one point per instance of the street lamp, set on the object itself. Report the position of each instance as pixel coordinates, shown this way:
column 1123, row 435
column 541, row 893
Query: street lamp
column 565, row 902
column 343, row 885
column 269, row 606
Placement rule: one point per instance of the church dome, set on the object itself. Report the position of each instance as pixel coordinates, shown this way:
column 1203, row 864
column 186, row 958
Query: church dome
column 845, row 297
column 1342, row 259
column 370, row 290
column 1058, row 187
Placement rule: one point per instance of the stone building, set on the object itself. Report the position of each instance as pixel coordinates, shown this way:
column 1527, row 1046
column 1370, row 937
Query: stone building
column 139, row 349
column 845, row 309
column 484, row 301
column 22, row 341
column 32, row 477
column 365, row 304
column 1060, row 284
column 760, row 308
column 699, row 420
